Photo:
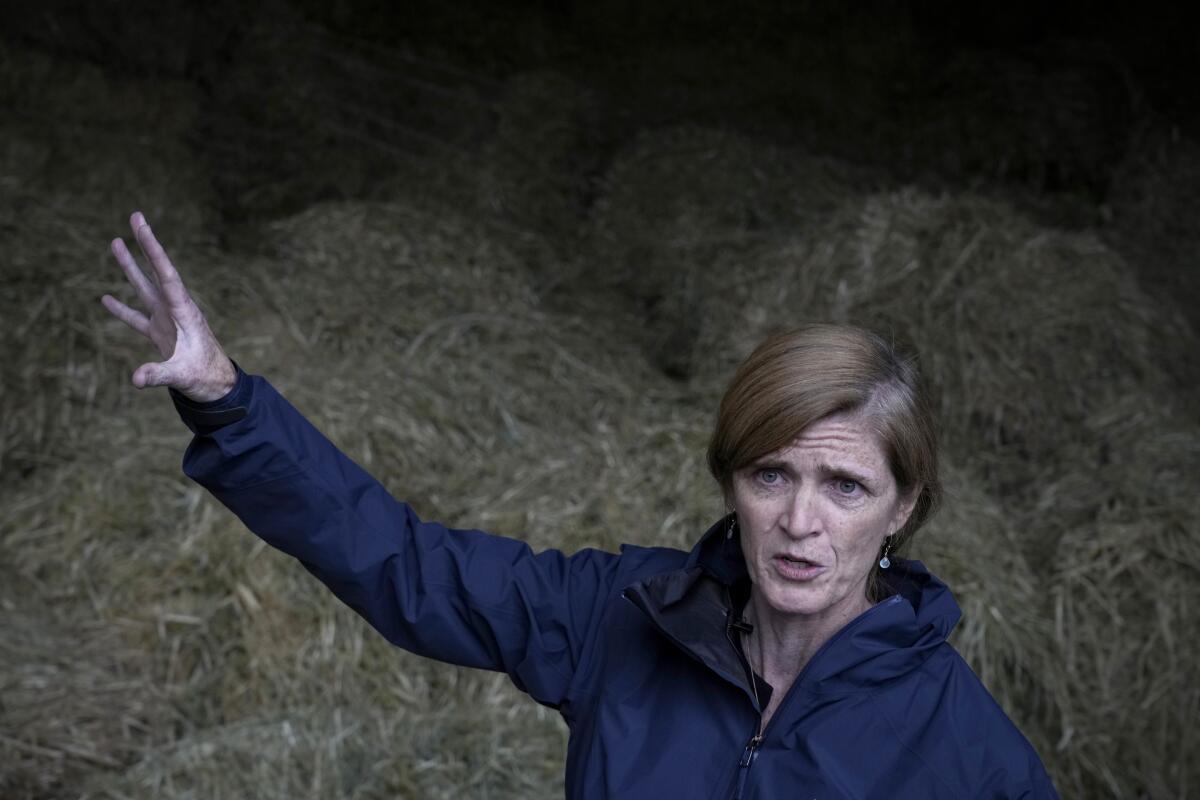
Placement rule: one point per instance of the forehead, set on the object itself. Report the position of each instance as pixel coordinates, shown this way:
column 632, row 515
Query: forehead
column 839, row 439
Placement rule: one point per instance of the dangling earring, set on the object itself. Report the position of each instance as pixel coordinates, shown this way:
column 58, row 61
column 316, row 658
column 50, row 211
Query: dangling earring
column 732, row 526
column 886, row 562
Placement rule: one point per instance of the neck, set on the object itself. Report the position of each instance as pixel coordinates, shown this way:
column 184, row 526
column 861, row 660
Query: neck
column 783, row 644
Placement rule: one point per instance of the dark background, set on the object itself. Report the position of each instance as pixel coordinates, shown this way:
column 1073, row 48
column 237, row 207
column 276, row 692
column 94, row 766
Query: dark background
column 1060, row 108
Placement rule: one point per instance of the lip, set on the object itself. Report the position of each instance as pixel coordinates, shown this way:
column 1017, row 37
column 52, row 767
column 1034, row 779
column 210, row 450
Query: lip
column 794, row 572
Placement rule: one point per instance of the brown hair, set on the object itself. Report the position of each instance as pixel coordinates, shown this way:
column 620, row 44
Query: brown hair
column 796, row 377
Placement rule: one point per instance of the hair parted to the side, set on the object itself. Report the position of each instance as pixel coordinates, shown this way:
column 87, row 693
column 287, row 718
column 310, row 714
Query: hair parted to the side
column 799, row 376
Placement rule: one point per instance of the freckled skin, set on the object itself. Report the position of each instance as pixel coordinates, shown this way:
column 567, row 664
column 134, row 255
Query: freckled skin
column 829, row 497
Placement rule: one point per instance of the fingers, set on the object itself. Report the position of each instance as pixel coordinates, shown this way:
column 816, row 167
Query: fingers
column 168, row 278
column 141, row 284
column 132, row 318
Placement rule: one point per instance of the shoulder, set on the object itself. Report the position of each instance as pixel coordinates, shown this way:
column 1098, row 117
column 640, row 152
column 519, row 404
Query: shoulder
column 642, row 562
column 948, row 720
column 603, row 569
column 634, row 563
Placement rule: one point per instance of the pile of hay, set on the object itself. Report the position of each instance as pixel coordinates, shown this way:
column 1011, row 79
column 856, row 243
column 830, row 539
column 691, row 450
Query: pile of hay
column 448, row 337
column 680, row 207
column 537, row 170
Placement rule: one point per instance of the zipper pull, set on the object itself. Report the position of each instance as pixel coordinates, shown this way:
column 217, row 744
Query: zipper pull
column 751, row 750
column 748, row 755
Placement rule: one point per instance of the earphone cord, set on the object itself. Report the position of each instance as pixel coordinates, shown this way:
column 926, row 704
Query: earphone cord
column 754, row 686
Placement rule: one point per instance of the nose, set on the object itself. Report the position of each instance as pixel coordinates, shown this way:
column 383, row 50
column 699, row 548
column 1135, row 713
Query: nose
column 802, row 515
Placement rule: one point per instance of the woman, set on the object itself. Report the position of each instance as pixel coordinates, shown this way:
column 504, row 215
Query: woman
column 789, row 654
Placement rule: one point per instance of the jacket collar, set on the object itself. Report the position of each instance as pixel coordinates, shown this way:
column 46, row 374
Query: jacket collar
column 696, row 607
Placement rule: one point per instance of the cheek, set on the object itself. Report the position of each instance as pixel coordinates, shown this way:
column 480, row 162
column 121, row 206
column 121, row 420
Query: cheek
column 863, row 534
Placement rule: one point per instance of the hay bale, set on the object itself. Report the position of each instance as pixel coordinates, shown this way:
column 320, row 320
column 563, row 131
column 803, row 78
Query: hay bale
column 446, row 310
column 536, row 172
column 1025, row 331
column 678, row 206
column 225, row 669
column 1125, row 594
column 75, row 698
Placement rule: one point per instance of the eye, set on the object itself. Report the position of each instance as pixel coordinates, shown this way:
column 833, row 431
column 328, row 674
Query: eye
column 846, row 486
column 769, row 477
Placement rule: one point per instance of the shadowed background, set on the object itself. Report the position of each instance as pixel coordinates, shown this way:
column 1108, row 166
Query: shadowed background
column 505, row 257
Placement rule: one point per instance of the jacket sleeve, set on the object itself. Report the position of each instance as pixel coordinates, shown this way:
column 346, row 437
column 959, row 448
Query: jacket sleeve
column 460, row 596
column 1036, row 785
column 1039, row 785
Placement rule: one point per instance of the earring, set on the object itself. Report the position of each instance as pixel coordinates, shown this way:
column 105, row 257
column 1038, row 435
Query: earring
column 732, row 526
column 886, row 562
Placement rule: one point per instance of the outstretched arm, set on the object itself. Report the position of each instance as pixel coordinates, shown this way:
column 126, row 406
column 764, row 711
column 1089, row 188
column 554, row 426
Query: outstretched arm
column 194, row 362
column 461, row 596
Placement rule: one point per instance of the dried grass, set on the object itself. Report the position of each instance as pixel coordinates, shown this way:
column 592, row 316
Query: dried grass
column 680, row 207
column 152, row 647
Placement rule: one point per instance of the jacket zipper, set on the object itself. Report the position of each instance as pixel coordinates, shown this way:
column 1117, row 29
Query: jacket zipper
column 750, row 751
column 745, row 762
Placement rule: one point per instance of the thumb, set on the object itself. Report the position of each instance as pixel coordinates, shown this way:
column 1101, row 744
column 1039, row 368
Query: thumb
column 148, row 375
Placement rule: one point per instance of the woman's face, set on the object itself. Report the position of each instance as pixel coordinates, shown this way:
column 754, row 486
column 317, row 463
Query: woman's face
column 813, row 517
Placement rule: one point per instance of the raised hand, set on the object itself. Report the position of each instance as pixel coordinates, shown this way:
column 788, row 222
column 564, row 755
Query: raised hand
column 194, row 362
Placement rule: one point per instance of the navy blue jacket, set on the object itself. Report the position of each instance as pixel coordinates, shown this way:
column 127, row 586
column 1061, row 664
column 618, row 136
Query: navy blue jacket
column 637, row 650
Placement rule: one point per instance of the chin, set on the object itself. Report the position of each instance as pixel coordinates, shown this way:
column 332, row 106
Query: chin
column 797, row 601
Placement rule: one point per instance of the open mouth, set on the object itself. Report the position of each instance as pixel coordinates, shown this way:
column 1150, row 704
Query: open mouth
column 796, row 569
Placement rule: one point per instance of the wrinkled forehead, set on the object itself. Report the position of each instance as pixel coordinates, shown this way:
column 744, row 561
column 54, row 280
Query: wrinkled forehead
column 847, row 439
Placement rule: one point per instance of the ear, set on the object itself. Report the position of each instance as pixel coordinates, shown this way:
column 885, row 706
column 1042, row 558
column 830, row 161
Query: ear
column 904, row 508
